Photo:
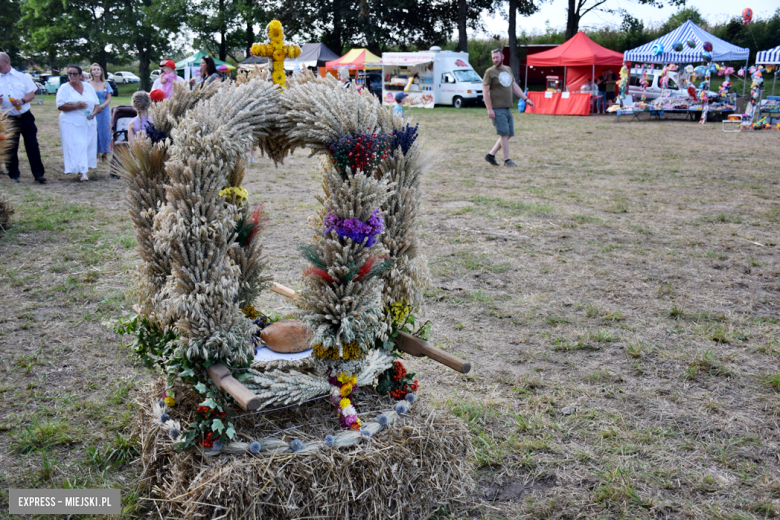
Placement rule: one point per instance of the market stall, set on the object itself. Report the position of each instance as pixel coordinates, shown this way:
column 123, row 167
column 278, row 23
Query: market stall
column 194, row 61
column 688, row 44
column 313, row 55
column 355, row 59
column 770, row 58
column 580, row 56
column 253, row 62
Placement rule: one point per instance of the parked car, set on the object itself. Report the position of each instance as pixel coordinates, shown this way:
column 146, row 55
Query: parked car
column 124, row 77
column 154, row 75
column 114, row 88
column 53, row 83
column 372, row 80
column 653, row 89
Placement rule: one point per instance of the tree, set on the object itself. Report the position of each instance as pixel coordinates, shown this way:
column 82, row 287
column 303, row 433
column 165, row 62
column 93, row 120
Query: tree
column 579, row 8
column 147, row 30
column 10, row 13
column 376, row 24
column 62, row 31
column 469, row 14
column 524, row 8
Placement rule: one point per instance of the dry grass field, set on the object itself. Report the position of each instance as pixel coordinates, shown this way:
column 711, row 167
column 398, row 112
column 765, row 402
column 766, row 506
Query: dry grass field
column 618, row 295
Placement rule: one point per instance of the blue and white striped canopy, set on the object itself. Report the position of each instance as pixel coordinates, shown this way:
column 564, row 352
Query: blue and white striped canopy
column 721, row 50
column 770, row 57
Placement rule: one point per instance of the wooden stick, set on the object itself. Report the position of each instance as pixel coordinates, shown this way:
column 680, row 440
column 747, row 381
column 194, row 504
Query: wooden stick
column 404, row 342
column 284, row 291
column 417, row 347
column 246, row 399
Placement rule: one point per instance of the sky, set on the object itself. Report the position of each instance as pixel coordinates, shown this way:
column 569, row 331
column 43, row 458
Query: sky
column 554, row 12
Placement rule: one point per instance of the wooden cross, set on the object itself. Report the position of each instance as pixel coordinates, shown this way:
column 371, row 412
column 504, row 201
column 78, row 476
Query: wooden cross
column 276, row 51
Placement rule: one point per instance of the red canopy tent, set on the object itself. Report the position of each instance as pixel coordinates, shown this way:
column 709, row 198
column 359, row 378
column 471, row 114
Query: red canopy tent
column 580, row 56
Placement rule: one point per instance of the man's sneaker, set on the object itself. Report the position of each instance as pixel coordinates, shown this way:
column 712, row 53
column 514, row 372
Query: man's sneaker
column 491, row 159
column 40, row 180
column 510, row 164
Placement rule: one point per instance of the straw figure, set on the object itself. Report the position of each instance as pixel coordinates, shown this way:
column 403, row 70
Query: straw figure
column 6, row 209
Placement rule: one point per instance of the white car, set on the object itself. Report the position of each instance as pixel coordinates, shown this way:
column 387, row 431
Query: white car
column 653, row 89
column 123, row 77
column 110, row 76
column 154, row 75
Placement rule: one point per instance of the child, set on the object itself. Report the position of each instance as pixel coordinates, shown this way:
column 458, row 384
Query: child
column 167, row 77
column 398, row 110
column 141, row 103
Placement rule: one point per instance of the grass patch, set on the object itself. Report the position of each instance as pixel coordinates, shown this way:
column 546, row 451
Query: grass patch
column 511, row 207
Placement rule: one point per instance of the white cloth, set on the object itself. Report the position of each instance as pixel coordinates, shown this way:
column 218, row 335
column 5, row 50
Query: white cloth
column 15, row 85
column 157, row 85
column 77, row 133
column 266, row 354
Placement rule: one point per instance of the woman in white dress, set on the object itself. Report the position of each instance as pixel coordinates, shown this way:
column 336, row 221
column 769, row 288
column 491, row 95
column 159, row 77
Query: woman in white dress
column 78, row 102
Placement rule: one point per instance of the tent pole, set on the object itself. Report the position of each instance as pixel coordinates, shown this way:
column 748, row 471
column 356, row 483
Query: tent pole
column 526, row 74
column 564, row 80
column 744, row 78
column 774, row 79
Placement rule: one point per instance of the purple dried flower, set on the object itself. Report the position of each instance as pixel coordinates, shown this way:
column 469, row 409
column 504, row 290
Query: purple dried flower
column 217, row 445
column 173, row 433
column 411, row 397
column 382, row 420
column 401, row 408
column 354, row 229
column 296, row 445
column 255, row 448
column 330, row 440
column 366, row 434
column 164, row 418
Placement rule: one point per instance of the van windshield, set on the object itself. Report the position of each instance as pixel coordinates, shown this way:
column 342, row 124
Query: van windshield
column 467, row 76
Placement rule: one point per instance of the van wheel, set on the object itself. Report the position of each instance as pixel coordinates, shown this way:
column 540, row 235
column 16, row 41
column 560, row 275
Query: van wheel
column 457, row 102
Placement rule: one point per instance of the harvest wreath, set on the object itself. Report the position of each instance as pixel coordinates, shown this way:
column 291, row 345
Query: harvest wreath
column 202, row 267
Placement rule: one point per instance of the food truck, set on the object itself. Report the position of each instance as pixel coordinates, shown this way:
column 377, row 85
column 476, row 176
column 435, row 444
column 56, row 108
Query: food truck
column 433, row 77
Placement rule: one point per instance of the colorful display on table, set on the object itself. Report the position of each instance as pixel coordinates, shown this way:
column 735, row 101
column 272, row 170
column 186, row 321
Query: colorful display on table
column 747, row 16
column 623, row 83
column 277, row 51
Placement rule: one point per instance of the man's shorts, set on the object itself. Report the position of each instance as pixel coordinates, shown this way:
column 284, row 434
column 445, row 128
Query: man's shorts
column 504, row 123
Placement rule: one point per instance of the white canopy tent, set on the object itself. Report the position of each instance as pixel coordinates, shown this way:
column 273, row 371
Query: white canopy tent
column 770, row 57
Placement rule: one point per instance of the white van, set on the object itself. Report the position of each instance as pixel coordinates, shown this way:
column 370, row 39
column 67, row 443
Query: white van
column 433, row 77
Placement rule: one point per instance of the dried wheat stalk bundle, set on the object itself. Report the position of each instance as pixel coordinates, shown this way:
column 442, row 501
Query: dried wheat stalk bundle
column 195, row 228
column 143, row 169
column 166, row 114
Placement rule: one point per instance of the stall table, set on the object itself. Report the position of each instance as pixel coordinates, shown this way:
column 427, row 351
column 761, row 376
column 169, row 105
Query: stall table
column 560, row 103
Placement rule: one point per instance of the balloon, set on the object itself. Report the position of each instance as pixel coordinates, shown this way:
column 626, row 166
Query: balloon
column 677, row 46
column 657, row 49
column 707, row 46
column 521, row 106
column 691, row 43
column 699, row 71
column 747, row 16
column 689, row 69
column 706, row 56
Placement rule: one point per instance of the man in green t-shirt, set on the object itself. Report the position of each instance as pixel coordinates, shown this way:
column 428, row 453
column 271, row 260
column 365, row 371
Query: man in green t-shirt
column 498, row 85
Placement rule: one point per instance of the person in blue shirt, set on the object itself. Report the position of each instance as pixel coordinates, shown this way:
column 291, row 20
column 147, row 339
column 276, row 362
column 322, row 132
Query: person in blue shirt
column 398, row 109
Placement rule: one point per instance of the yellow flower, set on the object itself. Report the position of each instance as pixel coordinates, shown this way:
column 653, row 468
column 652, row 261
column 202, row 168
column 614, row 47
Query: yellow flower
column 278, row 66
column 170, row 401
column 346, row 390
column 297, row 51
column 278, row 55
column 398, row 311
column 256, row 49
column 240, row 194
column 350, row 351
column 250, row 312
column 280, row 78
column 275, row 34
column 344, row 403
column 274, row 24
column 343, row 378
column 276, row 46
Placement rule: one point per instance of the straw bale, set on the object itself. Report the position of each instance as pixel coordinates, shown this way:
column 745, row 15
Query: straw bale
column 411, row 468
